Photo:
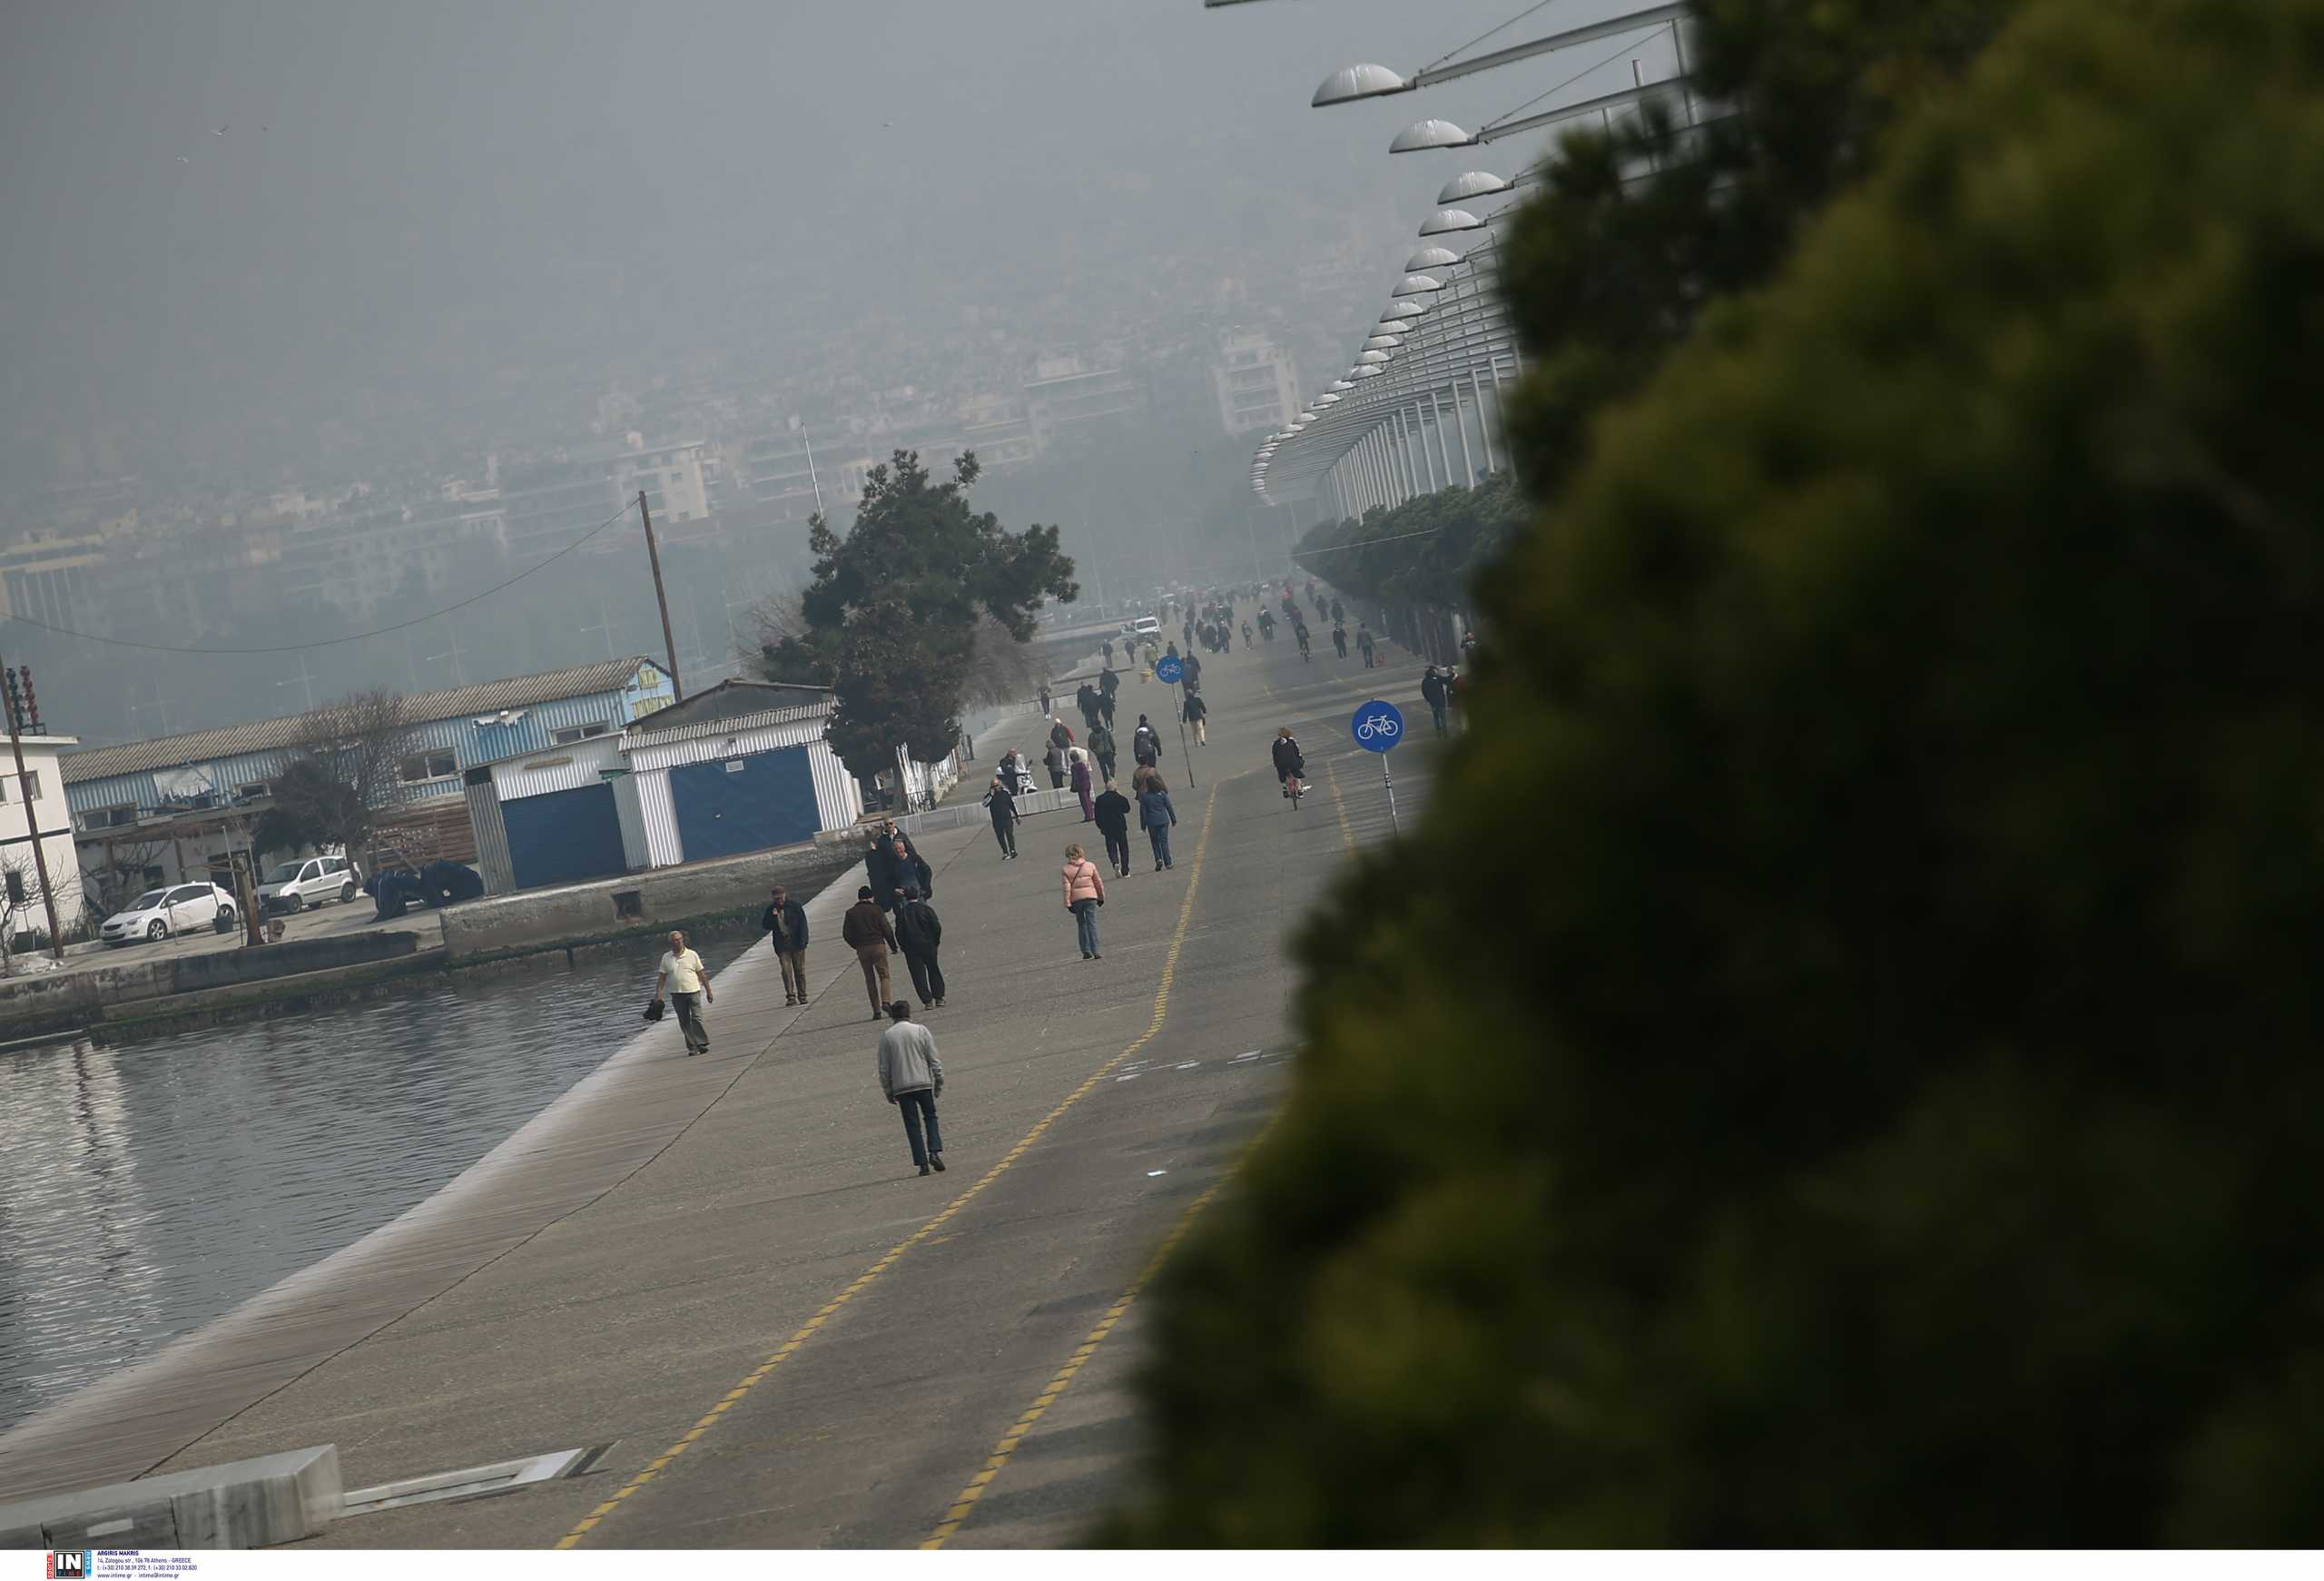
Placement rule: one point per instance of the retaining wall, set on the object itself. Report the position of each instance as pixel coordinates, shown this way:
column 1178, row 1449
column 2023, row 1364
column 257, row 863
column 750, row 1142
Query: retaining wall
column 658, row 898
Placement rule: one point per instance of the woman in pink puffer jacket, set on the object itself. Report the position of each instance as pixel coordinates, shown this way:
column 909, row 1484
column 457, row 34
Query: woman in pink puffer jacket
column 1085, row 892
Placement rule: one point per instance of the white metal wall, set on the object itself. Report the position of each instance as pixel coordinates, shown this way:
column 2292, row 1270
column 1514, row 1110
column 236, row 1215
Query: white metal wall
column 556, row 768
column 633, row 822
column 660, row 817
column 839, row 800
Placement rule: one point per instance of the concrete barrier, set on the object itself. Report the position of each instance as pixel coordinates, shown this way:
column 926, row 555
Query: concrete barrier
column 61, row 1001
column 640, row 903
column 246, row 1503
column 226, row 968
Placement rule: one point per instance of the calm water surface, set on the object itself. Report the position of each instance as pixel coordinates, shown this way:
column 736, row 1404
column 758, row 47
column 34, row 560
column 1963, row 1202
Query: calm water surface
column 151, row 1188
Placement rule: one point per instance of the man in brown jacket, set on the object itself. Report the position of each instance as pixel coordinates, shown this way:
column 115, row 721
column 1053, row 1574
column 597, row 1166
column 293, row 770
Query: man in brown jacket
column 866, row 930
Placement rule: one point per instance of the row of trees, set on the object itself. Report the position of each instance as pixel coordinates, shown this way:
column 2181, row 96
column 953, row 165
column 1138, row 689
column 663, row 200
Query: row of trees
column 1427, row 550
column 923, row 607
column 1892, row 1121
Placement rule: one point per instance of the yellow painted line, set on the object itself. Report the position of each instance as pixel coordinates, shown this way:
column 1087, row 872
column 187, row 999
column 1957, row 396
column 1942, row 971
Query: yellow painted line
column 964, row 1504
column 1339, row 804
column 807, row 1329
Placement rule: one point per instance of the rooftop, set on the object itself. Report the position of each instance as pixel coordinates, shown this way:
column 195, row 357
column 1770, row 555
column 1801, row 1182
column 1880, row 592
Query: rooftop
column 421, row 708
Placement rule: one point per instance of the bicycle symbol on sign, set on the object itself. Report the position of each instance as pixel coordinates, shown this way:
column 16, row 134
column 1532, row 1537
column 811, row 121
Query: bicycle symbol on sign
column 1379, row 725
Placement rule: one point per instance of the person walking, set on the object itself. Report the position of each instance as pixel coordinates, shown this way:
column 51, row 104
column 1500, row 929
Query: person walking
column 1085, row 892
column 920, row 930
column 1085, row 699
column 1145, row 743
column 1339, row 614
column 784, row 922
column 1247, row 634
column 1060, row 734
column 1002, row 806
column 911, row 874
column 866, row 930
column 1081, row 783
column 1109, row 653
column 1053, row 760
column 1045, row 696
column 1364, row 641
column 912, row 1079
column 1197, row 711
column 1108, row 685
column 1339, row 640
column 1102, row 748
column 1156, row 815
column 1112, row 816
column 879, row 867
column 689, row 985
column 1432, row 691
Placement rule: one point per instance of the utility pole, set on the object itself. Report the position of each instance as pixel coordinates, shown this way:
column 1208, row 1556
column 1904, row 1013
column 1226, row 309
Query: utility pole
column 660, row 599
column 31, row 828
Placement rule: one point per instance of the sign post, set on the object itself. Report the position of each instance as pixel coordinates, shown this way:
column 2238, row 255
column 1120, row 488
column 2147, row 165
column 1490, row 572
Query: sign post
column 1377, row 726
column 1171, row 670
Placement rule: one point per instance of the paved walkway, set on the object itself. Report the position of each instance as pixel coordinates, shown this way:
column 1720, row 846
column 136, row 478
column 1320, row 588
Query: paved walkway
column 725, row 1268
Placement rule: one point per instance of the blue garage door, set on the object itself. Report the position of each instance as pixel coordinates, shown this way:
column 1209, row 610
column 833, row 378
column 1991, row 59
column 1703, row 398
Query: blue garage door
column 733, row 804
column 563, row 836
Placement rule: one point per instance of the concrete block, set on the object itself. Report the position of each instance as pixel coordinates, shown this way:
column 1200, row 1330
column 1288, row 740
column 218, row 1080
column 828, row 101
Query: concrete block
column 245, row 1504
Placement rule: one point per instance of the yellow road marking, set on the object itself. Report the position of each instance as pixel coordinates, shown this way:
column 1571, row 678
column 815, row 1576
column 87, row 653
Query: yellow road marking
column 807, row 1329
column 965, row 1504
column 1339, row 804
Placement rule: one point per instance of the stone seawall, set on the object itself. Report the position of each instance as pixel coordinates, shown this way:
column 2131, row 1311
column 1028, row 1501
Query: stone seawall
column 695, row 893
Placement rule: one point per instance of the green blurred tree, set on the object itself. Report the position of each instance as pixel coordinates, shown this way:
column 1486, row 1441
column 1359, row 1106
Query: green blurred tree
column 891, row 619
column 1893, row 1117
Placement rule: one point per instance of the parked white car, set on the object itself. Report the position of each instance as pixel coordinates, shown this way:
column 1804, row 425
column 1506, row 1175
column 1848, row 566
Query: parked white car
column 159, row 914
column 296, row 886
column 1145, row 626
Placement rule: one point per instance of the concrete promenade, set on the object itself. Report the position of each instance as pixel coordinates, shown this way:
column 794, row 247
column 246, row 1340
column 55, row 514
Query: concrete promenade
column 725, row 1268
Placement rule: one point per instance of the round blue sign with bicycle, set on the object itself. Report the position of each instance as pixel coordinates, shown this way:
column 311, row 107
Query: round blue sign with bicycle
column 1168, row 670
column 1377, row 726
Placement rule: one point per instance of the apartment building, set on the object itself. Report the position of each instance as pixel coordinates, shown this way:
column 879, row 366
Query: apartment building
column 1256, row 382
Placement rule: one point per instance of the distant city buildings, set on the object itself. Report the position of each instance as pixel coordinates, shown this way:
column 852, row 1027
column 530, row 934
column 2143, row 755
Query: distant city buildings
column 1257, row 383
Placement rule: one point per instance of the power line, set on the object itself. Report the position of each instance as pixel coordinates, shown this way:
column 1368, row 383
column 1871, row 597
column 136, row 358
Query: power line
column 335, row 641
column 1392, row 538
column 1488, row 33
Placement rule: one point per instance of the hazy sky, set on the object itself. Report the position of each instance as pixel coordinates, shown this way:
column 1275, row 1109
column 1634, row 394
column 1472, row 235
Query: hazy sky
column 410, row 200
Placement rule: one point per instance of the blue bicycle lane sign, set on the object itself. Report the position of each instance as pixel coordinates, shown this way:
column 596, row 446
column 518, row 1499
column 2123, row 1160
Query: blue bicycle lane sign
column 1167, row 670
column 1377, row 726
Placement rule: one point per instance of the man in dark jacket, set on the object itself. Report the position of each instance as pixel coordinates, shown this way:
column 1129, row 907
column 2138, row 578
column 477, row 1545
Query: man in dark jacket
column 1432, row 689
column 1085, row 699
column 1108, row 685
column 1145, row 743
column 919, row 930
column 1194, row 670
column 1102, row 748
column 1364, row 642
column 1197, row 712
column 1339, row 640
column 1001, row 802
column 879, row 867
column 866, row 932
column 1113, row 823
column 909, row 873
column 784, row 922
column 888, row 835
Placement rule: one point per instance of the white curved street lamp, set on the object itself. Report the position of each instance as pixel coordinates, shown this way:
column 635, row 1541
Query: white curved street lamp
column 1432, row 258
column 1445, row 222
column 1473, row 184
column 1418, row 285
column 1351, row 84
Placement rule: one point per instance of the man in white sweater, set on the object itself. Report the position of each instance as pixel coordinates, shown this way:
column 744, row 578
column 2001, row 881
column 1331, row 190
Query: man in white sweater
column 912, row 1078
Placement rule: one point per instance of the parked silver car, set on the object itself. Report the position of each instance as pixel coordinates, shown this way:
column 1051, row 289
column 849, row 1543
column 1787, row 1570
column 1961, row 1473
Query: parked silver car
column 310, row 881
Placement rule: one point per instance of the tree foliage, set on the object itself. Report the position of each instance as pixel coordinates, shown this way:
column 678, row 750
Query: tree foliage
column 1423, row 551
column 892, row 618
column 1893, row 1117
column 344, row 773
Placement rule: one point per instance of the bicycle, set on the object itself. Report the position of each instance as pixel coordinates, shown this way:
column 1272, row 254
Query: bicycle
column 1294, row 786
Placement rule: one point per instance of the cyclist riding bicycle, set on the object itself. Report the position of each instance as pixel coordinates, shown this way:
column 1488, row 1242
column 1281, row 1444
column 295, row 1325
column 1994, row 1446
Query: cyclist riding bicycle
column 1300, row 632
column 1290, row 763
